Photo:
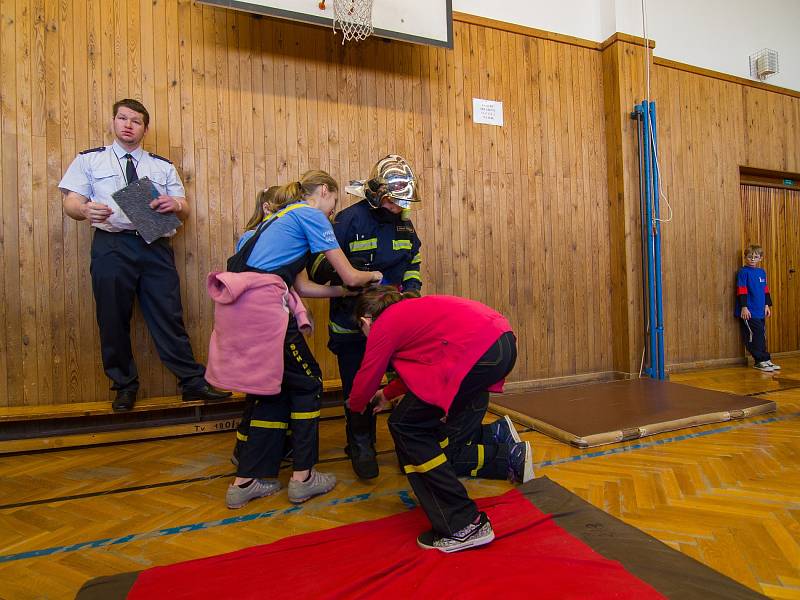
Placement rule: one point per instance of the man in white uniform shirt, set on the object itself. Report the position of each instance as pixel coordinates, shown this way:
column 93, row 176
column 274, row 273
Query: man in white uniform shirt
column 123, row 265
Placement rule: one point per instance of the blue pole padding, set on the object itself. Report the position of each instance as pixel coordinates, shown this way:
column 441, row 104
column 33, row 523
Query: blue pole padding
column 648, row 220
column 657, row 245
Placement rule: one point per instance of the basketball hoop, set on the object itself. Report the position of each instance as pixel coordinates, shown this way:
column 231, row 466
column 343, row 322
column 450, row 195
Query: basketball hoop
column 353, row 18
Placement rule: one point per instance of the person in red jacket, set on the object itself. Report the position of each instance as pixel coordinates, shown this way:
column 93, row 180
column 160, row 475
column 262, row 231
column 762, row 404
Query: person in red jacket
column 449, row 353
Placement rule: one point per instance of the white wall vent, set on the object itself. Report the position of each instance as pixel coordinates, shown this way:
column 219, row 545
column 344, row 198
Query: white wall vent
column 763, row 64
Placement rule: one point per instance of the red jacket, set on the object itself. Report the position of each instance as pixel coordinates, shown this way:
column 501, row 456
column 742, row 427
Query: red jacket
column 432, row 343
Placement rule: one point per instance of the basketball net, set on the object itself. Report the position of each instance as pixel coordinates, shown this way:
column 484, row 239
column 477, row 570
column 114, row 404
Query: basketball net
column 353, row 18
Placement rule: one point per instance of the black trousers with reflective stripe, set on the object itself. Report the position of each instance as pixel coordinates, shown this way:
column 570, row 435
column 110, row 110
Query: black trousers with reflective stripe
column 359, row 427
column 470, row 446
column 297, row 404
column 123, row 267
column 417, row 430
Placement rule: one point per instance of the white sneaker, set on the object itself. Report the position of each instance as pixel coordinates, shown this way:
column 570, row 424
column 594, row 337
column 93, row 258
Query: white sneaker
column 764, row 366
column 773, row 365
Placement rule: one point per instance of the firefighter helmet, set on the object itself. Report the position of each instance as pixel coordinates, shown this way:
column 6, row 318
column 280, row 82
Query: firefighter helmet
column 390, row 179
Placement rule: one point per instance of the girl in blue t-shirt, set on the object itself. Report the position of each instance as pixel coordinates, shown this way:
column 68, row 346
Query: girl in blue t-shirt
column 298, row 227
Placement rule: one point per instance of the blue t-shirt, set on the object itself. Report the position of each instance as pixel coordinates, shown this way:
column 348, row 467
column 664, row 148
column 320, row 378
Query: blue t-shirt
column 297, row 231
column 753, row 282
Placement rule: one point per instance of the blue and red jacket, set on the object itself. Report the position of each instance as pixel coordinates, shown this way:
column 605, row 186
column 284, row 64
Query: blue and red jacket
column 752, row 291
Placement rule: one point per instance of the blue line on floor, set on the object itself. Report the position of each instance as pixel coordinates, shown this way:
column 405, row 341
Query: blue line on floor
column 654, row 443
column 403, row 495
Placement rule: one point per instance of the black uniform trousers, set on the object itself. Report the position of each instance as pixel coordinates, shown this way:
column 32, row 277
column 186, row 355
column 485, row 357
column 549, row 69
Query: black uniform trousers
column 360, row 428
column 754, row 334
column 418, row 434
column 124, row 266
column 297, row 403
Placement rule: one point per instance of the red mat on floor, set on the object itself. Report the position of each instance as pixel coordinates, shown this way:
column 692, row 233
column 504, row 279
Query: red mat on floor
column 381, row 557
column 549, row 544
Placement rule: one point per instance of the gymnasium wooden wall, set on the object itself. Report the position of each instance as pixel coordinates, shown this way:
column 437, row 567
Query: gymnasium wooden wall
column 516, row 216
column 513, row 216
column 708, row 128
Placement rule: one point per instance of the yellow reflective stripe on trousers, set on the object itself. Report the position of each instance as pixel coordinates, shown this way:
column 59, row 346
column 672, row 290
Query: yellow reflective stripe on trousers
column 339, row 329
column 241, row 437
column 370, row 244
column 479, row 466
column 427, row 466
column 444, row 443
column 417, row 259
column 411, row 275
column 304, row 415
column 269, row 424
column 401, row 244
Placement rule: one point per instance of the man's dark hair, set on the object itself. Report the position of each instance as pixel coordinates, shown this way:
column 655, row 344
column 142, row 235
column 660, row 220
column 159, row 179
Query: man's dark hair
column 133, row 105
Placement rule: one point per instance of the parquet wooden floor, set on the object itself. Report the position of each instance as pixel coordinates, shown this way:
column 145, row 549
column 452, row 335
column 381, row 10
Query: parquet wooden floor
column 726, row 494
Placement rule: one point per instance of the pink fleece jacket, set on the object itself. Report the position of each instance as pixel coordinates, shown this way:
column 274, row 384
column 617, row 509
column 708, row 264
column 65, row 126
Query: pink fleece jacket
column 432, row 342
column 245, row 352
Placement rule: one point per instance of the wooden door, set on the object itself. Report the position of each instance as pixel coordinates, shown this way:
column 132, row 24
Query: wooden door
column 771, row 218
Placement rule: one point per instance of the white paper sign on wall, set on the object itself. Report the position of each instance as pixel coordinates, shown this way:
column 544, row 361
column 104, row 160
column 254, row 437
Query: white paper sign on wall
column 487, row 111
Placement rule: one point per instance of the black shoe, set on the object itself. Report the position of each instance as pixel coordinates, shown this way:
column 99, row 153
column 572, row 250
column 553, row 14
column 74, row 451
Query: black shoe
column 364, row 461
column 207, row 393
column 124, row 401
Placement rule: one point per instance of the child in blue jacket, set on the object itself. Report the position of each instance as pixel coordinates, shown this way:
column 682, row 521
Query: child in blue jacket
column 753, row 306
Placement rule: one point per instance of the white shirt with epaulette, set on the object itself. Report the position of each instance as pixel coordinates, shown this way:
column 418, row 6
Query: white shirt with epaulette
column 99, row 172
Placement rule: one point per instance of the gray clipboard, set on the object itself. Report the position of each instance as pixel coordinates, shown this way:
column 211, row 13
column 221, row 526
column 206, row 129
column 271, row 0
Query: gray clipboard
column 134, row 200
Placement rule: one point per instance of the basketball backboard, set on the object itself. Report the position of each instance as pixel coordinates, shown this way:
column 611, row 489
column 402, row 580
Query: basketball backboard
column 418, row 21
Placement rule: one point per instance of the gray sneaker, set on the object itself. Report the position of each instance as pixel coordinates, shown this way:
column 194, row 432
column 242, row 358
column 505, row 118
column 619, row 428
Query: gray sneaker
column 318, row 483
column 237, row 497
column 473, row 535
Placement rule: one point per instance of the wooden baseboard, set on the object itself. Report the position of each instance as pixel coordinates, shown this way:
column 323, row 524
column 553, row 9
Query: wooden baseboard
column 124, row 436
column 715, row 363
column 41, row 412
column 721, row 363
column 553, row 382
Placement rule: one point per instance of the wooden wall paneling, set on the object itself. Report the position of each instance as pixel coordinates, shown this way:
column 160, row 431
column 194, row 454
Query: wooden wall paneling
column 597, row 220
column 517, row 216
column 194, row 132
column 161, row 82
column 512, row 233
column 778, row 272
column 670, row 144
column 230, row 157
column 73, row 130
column 27, row 265
column 192, row 281
column 458, row 208
column 405, row 54
column 54, row 363
column 292, row 114
column 35, row 212
column 586, row 358
column 468, row 191
column 480, row 166
column 789, row 313
column 448, row 156
column 125, row 24
column 9, row 309
column 159, row 141
column 530, row 254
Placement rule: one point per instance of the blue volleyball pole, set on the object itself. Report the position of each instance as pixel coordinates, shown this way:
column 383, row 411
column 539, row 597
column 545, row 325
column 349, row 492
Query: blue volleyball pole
column 648, row 172
column 657, row 243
